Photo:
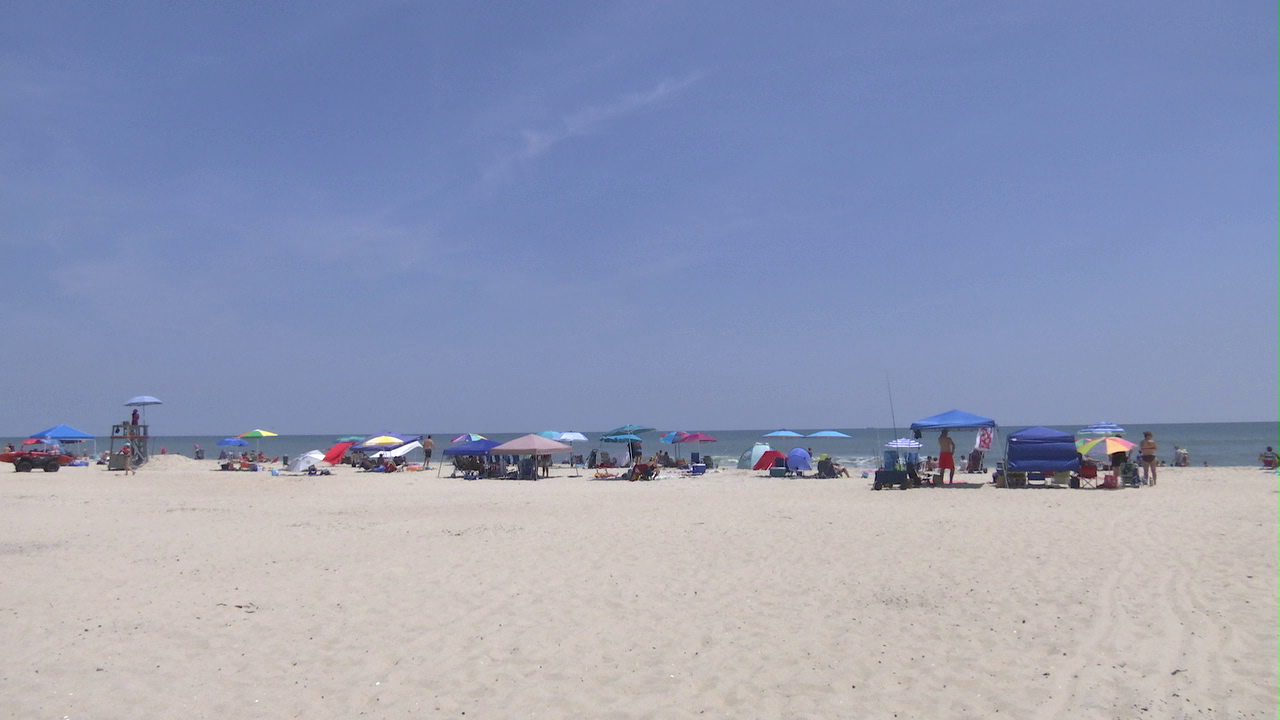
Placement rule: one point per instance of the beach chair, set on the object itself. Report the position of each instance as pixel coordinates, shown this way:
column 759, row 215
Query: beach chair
column 1087, row 477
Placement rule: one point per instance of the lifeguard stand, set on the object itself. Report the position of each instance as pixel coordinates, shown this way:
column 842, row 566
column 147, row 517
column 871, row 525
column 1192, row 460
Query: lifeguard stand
column 136, row 436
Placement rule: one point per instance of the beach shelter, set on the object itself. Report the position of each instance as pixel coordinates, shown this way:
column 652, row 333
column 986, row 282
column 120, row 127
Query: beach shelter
column 336, row 453
column 954, row 420
column 305, row 460
column 531, row 445
column 768, row 459
column 1041, row 449
column 399, row 451
column 749, row 458
column 62, row 433
column 799, row 460
column 475, row 447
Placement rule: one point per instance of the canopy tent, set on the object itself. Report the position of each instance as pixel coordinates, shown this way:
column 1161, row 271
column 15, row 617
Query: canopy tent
column 475, row 447
column 305, row 460
column 1041, row 449
column 953, row 420
column 530, row 445
column 62, row 433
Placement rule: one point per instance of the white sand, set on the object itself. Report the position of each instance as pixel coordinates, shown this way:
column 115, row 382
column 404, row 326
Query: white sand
column 183, row 592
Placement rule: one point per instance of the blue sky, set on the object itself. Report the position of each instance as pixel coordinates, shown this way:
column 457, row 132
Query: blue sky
column 326, row 216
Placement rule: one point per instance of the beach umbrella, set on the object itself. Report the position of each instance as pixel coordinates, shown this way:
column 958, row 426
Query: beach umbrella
column 550, row 434
column 469, row 437
column 674, row 436
column 783, row 433
column 143, row 401
column 380, row 441
column 828, row 434
column 257, row 435
column 1108, row 444
column 698, row 437
column 350, row 438
column 232, row 442
column 335, row 453
column 1103, row 428
column 903, row 443
column 623, row 438
column 572, row 437
column 629, row 430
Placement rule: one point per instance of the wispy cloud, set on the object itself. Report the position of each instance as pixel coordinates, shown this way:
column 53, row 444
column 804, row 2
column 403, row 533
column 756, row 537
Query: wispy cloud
column 587, row 120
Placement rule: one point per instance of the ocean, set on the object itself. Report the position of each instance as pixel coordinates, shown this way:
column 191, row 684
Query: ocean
column 1214, row 444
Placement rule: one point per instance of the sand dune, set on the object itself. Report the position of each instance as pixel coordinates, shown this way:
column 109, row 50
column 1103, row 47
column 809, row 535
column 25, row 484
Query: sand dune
column 188, row 592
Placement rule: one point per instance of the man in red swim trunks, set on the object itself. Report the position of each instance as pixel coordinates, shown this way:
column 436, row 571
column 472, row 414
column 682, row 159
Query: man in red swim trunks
column 946, row 456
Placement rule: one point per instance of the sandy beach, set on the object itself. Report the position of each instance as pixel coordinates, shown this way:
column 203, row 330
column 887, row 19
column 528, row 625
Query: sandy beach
column 188, row 592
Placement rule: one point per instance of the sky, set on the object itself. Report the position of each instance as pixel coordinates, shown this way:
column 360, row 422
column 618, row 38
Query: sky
column 332, row 217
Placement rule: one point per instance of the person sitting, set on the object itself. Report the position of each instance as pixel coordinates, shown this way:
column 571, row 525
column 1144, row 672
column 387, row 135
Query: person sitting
column 643, row 471
column 1268, row 458
column 826, row 468
column 1181, row 458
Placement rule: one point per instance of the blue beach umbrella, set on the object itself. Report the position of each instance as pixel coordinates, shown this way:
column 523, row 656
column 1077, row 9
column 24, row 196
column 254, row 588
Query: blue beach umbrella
column 623, row 438
column 232, row 442
column 829, row 433
column 784, row 433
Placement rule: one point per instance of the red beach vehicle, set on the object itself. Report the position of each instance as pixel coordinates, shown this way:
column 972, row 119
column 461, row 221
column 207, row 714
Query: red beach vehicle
column 28, row 460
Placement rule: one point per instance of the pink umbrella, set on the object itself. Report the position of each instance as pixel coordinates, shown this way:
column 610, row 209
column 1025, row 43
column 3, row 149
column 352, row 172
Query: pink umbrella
column 698, row 437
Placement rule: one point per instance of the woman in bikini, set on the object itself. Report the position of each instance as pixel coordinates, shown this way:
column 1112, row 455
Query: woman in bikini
column 1147, row 449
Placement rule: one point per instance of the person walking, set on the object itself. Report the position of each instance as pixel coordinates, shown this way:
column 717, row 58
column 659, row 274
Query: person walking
column 1147, row 451
column 127, row 453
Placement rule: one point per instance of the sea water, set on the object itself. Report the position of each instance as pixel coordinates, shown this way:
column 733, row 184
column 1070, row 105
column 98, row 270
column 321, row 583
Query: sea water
column 1215, row 444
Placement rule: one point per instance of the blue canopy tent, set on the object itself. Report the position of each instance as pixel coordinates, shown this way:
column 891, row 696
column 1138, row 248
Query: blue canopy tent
column 475, row 447
column 957, row 420
column 62, row 433
column 953, row 420
column 1041, row 449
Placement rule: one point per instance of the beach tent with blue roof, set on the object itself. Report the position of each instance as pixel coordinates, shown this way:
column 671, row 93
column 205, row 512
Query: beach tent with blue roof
column 1042, row 449
column 954, row 420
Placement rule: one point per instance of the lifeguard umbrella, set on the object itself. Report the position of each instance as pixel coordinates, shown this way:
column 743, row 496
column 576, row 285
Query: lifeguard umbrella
column 143, row 401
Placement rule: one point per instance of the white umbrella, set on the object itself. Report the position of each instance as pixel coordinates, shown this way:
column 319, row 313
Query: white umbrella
column 903, row 443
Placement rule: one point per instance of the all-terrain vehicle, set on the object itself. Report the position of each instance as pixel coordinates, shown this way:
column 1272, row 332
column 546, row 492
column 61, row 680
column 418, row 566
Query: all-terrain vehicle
column 28, row 460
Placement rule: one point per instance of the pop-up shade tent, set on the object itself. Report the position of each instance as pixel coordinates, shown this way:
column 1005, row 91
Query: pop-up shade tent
column 953, row 420
column 1041, row 449
column 475, row 447
column 64, row 433
column 959, row 420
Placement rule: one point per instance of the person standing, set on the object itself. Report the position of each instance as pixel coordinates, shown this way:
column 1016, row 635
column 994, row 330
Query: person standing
column 1147, row 451
column 946, row 456
column 427, row 446
column 134, row 420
